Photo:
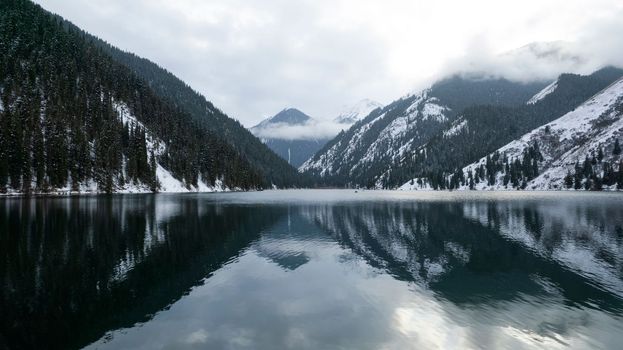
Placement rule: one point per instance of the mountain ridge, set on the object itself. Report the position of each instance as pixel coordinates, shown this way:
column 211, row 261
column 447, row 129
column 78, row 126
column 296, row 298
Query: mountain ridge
column 579, row 150
column 352, row 114
column 358, row 156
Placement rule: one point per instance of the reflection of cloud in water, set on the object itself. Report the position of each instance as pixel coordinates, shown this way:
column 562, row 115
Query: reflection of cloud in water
column 366, row 275
column 436, row 246
column 397, row 276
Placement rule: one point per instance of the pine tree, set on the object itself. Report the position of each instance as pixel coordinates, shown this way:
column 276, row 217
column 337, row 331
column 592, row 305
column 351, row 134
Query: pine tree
column 38, row 156
column 577, row 184
column 617, row 148
column 569, row 180
column 153, row 165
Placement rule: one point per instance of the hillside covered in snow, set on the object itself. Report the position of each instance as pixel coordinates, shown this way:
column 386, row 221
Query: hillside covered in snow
column 352, row 114
column 580, row 150
column 379, row 144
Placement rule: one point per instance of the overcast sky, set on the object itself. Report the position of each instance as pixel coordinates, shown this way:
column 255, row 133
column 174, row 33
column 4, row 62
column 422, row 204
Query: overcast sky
column 254, row 58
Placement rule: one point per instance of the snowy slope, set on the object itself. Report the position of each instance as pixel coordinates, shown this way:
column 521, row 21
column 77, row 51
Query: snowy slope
column 381, row 137
column 376, row 152
column 541, row 94
column 594, row 125
column 352, row 114
column 168, row 183
column 288, row 116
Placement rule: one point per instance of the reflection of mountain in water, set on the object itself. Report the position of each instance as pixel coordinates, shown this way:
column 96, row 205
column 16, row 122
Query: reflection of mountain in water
column 75, row 268
column 284, row 243
column 478, row 251
column 587, row 239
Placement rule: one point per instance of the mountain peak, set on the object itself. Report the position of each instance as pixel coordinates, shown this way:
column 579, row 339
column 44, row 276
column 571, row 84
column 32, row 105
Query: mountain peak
column 352, row 114
column 290, row 116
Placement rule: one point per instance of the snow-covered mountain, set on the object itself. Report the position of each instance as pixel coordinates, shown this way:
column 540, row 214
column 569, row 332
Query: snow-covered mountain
column 352, row 114
column 296, row 137
column 580, row 150
column 363, row 154
column 293, row 135
column 288, row 116
column 380, row 137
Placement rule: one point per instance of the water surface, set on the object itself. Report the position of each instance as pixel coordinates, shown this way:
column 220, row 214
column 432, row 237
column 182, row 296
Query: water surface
column 315, row 269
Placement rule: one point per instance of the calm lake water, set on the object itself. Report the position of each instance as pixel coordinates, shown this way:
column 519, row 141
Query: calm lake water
column 316, row 269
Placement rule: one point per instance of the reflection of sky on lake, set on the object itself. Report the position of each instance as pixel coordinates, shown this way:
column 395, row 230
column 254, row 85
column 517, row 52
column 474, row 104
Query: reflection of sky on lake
column 313, row 270
column 405, row 275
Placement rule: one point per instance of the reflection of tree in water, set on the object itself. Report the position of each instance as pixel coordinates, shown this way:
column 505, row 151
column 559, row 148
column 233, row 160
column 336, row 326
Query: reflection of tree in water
column 581, row 236
column 73, row 269
column 463, row 251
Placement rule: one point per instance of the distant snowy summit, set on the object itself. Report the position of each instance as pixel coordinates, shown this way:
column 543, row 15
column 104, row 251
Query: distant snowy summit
column 293, row 135
column 288, row 116
column 352, row 114
column 296, row 137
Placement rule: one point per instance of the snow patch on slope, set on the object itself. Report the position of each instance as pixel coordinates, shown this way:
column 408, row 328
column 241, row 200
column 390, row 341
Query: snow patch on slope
column 353, row 114
column 456, row 127
column 168, row 183
column 541, row 94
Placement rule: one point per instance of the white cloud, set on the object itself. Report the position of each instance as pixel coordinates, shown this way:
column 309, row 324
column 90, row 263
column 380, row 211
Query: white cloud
column 316, row 129
column 253, row 58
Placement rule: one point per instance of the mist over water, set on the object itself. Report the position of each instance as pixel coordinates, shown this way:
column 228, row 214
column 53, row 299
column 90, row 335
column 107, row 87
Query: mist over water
column 313, row 269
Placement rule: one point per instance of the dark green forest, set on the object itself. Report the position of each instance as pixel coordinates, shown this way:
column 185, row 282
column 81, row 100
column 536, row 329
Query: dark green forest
column 59, row 124
column 167, row 86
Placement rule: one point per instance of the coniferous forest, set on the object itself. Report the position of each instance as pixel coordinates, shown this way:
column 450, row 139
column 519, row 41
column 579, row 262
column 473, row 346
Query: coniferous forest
column 490, row 127
column 60, row 126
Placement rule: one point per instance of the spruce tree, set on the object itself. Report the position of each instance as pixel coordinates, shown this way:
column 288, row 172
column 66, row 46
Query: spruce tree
column 568, row 180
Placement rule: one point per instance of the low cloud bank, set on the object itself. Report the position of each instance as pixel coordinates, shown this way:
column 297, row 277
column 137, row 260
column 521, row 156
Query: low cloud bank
column 594, row 48
column 317, row 129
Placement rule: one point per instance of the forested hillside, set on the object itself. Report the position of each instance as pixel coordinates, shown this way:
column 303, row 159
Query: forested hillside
column 484, row 128
column 170, row 88
column 580, row 150
column 62, row 100
column 458, row 120
column 370, row 152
